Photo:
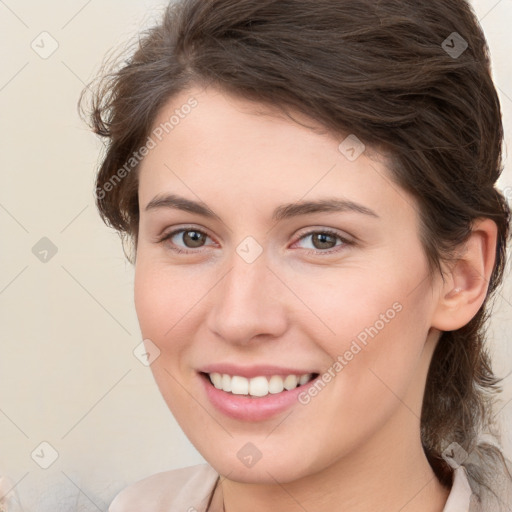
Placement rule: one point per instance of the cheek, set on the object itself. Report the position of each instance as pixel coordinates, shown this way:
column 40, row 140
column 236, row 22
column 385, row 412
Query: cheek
column 168, row 302
column 374, row 328
column 370, row 377
column 162, row 301
column 356, row 303
column 161, row 305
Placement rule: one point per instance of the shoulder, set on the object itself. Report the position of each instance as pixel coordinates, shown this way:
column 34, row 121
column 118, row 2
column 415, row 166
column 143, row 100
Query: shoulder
column 179, row 489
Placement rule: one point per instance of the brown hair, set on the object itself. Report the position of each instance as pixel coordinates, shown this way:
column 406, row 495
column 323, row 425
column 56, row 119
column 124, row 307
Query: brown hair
column 392, row 72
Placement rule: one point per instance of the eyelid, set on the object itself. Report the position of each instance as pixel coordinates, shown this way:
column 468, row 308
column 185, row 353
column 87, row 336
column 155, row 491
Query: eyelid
column 322, row 229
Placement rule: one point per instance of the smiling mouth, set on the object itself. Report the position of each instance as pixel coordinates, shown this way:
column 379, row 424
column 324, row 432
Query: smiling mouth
column 257, row 386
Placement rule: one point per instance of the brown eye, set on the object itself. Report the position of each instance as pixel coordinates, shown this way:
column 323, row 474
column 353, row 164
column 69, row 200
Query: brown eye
column 325, row 241
column 192, row 238
column 182, row 239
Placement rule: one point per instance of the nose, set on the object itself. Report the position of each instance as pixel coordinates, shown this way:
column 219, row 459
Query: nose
column 249, row 301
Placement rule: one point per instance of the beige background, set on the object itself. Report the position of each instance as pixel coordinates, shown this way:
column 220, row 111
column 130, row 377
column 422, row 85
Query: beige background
column 68, row 326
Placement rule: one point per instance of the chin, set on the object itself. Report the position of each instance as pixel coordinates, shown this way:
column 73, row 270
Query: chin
column 266, row 470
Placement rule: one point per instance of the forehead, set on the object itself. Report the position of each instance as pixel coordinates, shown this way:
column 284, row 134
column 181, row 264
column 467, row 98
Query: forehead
column 210, row 142
column 219, row 119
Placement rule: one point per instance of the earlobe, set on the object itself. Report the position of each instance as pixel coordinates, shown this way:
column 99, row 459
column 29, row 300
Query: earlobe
column 467, row 280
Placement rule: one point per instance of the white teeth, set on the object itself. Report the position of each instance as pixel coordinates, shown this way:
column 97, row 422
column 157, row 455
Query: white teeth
column 216, row 379
column 239, row 385
column 290, row 382
column 304, row 378
column 275, row 384
column 257, row 386
column 226, row 382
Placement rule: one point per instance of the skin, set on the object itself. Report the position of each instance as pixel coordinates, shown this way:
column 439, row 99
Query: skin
column 356, row 445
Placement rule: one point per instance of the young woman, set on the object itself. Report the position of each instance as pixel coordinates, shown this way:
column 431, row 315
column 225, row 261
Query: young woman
column 310, row 189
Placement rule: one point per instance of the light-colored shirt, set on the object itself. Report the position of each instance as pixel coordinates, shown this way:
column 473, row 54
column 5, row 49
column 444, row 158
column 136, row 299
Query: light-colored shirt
column 189, row 490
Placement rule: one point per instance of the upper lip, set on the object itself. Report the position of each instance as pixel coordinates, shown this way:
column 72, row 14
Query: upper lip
column 252, row 371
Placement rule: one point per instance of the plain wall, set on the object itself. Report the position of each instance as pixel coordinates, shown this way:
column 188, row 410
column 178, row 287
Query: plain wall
column 68, row 326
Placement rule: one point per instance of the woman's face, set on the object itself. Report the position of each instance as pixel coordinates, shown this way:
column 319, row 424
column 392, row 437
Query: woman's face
column 269, row 286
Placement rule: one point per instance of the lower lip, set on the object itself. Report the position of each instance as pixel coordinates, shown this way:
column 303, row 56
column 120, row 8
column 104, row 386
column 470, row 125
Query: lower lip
column 246, row 408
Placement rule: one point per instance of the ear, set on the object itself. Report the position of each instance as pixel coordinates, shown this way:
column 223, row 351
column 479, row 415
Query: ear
column 467, row 280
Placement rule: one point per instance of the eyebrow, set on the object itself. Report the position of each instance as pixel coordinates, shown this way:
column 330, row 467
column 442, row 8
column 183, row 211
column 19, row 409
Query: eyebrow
column 282, row 212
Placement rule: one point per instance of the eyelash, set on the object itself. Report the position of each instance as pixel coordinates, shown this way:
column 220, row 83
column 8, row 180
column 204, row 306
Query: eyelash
column 329, row 232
